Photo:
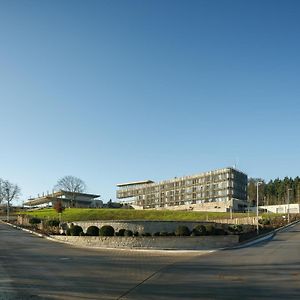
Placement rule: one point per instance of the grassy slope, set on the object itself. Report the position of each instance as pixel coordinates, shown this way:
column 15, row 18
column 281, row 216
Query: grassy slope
column 81, row 214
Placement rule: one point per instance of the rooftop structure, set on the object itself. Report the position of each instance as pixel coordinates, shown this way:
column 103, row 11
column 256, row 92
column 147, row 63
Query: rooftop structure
column 68, row 199
column 134, row 183
column 218, row 190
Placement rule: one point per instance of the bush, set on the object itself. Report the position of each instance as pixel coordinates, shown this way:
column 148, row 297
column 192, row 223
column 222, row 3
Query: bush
column 210, row 229
column 156, row 234
column 195, row 232
column 81, row 233
column 182, row 231
column 92, row 231
column 58, row 207
column 236, row 229
column 128, row 233
column 106, row 230
column 164, row 233
column 146, row 234
column 34, row 221
column 52, row 223
column 120, row 232
column 264, row 221
column 200, row 229
column 68, row 231
column 136, row 233
column 220, row 231
column 75, row 230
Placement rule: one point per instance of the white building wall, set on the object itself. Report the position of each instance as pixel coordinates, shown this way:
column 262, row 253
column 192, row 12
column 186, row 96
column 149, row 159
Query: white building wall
column 283, row 208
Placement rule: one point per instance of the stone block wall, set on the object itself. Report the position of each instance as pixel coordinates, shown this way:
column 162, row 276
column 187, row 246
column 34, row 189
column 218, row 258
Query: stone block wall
column 141, row 226
column 158, row 243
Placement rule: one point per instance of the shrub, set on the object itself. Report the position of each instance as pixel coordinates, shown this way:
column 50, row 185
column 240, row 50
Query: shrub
column 128, row 233
column 136, row 233
column 200, row 229
column 156, row 234
column 58, row 207
column 75, row 230
column 220, row 231
column 239, row 228
column 81, row 233
column 164, row 233
column 106, row 230
column 68, row 231
column 34, row 221
column 236, row 229
column 264, row 221
column 53, row 223
column 121, row 232
column 182, row 231
column 92, row 231
column 146, row 234
column 210, row 229
column 195, row 232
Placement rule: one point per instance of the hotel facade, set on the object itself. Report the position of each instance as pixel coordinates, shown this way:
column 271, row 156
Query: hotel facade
column 218, row 190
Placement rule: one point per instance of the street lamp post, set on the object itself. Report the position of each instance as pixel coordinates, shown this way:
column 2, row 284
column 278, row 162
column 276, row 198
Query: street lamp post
column 248, row 206
column 288, row 204
column 257, row 227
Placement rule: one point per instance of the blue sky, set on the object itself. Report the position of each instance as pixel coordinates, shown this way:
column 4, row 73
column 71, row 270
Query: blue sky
column 114, row 91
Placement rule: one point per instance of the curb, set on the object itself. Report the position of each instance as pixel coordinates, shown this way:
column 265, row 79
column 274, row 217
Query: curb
column 286, row 226
column 24, row 229
column 257, row 240
column 35, row 233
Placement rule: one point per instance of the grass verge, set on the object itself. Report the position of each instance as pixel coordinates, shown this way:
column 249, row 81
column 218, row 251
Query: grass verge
column 86, row 214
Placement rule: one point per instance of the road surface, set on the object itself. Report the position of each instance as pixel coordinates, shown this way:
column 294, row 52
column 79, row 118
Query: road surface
column 35, row 268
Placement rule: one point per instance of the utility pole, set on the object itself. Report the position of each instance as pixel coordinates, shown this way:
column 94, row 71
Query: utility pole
column 248, row 206
column 257, row 185
column 288, row 204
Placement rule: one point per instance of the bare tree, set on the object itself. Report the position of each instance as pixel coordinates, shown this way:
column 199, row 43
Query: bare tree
column 1, row 190
column 8, row 192
column 71, row 184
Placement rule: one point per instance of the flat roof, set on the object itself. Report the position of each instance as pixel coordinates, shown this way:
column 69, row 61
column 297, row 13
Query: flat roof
column 49, row 197
column 174, row 179
column 134, row 183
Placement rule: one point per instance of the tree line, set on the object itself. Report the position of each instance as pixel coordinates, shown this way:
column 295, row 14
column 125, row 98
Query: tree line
column 275, row 191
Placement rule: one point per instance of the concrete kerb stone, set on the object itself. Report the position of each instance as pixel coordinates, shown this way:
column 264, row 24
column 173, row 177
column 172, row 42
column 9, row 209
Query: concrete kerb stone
column 286, row 226
column 24, row 229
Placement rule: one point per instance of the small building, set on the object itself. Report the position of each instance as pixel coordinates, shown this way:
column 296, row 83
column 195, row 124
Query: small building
column 281, row 208
column 67, row 199
column 219, row 190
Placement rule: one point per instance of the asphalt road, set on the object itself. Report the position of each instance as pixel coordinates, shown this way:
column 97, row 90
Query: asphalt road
column 34, row 268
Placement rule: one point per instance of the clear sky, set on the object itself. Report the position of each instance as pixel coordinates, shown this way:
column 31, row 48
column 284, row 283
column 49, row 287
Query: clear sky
column 115, row 91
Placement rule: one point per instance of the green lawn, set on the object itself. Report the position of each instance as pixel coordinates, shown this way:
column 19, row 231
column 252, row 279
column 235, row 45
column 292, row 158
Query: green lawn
column 85, row 214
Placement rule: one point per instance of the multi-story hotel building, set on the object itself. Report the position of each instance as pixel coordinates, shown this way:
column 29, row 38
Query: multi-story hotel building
column 219, row 190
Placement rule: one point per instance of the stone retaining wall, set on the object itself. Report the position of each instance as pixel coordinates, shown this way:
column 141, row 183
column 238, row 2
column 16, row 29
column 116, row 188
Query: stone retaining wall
column 141, row 226
column 163, row 243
